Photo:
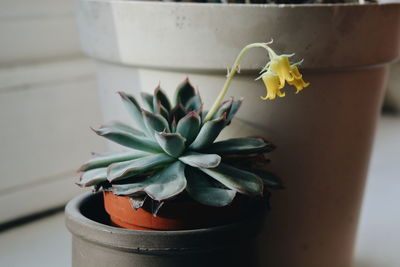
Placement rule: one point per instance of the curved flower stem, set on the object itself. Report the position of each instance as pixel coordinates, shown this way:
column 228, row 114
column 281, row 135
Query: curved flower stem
column 232, row 73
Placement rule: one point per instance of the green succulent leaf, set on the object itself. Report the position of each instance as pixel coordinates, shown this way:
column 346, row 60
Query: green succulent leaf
column 125, row 169
column 122, row 127
column 162, row 98
column 148, row 101
column 178, row 112
column 236, row 179
column 120, row 136
column 133, row 109
column 194, row 104
column 172, row 143
column 162, row 110
column 199, row 160
column 165, row 184
column 137, row 200
column 240, row 146
column 155, row 122
column 269, row 179
column 184, row 92
column 208, row 133
column 189, row 126
column 202, row 189
column 105, row 159
column 93, row 177
column 225, row 107
column 234, row 109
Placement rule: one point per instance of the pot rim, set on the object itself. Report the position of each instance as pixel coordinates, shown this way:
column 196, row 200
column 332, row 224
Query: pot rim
column 155, row 242
column 112, row 31
column 299, row 6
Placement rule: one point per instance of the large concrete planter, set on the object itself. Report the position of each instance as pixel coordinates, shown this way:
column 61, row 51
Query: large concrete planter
column 323, row 135
column 96, row 244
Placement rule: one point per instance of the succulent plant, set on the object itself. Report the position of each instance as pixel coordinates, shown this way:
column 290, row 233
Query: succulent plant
column 172, row 150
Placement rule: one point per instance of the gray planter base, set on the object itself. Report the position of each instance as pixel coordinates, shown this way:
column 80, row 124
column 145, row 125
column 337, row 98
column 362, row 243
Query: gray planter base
column 97, row 244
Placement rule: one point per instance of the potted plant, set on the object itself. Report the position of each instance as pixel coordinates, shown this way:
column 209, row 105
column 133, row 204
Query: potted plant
column 325, row 136
column 176, row 182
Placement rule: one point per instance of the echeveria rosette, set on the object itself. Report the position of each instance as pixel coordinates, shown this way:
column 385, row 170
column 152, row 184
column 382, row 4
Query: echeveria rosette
column 173, row 151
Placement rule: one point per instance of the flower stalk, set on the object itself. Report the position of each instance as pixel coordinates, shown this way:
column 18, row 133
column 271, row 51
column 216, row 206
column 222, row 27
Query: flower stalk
column 276, row 72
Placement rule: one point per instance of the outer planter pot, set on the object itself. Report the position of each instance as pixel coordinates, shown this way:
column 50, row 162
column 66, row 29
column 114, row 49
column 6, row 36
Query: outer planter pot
column 96, row 244
column 323, row 135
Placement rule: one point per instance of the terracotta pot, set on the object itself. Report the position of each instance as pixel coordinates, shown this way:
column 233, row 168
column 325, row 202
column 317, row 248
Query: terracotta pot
column 174, row 215
column 97, row 244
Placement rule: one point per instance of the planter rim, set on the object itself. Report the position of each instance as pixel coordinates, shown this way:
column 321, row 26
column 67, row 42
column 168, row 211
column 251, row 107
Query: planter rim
column 152, row 242
column 241, row 5
column 326, row 36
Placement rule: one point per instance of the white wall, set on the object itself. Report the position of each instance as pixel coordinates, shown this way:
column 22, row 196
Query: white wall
column 48, row 100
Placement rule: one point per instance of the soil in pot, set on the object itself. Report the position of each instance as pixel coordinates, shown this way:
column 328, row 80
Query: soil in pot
column 177, row 214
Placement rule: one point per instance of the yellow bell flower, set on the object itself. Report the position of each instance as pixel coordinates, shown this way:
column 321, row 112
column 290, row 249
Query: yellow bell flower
column 273, row 85
column 295, row 71
column 299, row 84
column 281, row 66
column 279, row 71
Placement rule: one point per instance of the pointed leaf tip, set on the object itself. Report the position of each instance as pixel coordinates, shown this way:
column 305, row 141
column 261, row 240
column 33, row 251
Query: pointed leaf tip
column 184, row 92
column 236, row 179
column 208, row 133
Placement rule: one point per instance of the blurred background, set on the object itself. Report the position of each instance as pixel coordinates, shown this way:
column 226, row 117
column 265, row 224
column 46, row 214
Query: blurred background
column 48, row 100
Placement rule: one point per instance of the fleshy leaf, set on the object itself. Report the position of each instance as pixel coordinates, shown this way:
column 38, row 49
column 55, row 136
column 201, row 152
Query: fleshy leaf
column 133, row 109
column 208, row 133
column 234, row 109
column 189, row 126
column 178, row 112
column 269, row 179
column 147, row 101
column 155, row 122
column 165, row 184
column 184, row 92
column 120, row 126
column 156, row 206
column 194, row 104
column 225, row 107
column 172, row 143
column 105, row 159
column 125, row 169
column 202, row 189
column 137, row 201
column 162, row 98
column 162, row 110
column 236, row 179
column 93, row 177
column 129, row 140
column 199, row 160
column 240, row 146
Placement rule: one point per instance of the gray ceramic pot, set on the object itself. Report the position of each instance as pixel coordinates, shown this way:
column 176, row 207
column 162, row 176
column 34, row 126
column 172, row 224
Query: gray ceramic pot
column 95, row 243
